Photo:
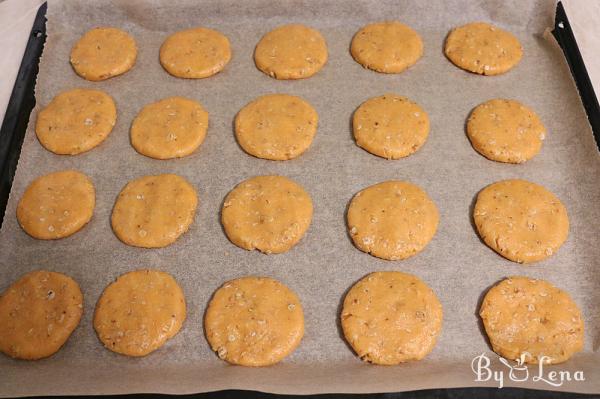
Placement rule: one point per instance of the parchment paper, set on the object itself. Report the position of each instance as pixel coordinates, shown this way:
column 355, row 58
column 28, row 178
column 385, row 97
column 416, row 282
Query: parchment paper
column 456, row 264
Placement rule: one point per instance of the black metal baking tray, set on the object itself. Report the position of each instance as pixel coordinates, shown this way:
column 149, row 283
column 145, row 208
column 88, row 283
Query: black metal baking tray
column 22, row 101
column 566, row 39
column 13, row 130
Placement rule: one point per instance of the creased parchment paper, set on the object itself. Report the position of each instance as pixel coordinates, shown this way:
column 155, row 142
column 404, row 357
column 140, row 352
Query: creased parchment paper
column 456, row 264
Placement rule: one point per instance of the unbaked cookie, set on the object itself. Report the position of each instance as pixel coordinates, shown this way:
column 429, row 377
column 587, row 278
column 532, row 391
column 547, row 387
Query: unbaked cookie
column 392, row 220
column 76, row 121
column 139, row 312
column 57, row 205
column 254, row 321
column 390, row 126
column 520, row 220
column 170, row 128
column 268, row 213
column 291, row 52
column 153, row 211
column 532, row 320
column 505, row 131
column 483, row 48
column 391, row 317
column 388, row 47
column 102, row 53
column 195, row 53
column 38, row 313
column 276, row 126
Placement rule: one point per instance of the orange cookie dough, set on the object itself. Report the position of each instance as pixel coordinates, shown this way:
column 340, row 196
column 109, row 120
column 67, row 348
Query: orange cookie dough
column 390, row 126
column 254, row 321
column 268, row 213
column 532, row 320
column 483, row 48
column 520, row 220
column 38, row 313
column 392, row 220
column 388, row 47
column 391, row 317
column 276, row 127
column 57, row 205
column 139, row 312
column 103, row 53
column 505, row 131
column 76, row 121
column 195, row 53
column 291, row 52
column 170, row 128
column 153, row 211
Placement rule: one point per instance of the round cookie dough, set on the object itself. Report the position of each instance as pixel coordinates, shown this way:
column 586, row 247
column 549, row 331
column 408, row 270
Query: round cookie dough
column 483, row 48
column 153, row 211
column 390, row 126
column 254, row 321
column 520, row 220
column 388, row 47
column 170, row 128
column 291, row 52
column 391, row 317
column 139, row 312
column 268, row 213
column 532, row 320
column 103, row 53
column 505, row 131
column 392, row 220
column 276, row 127
column 57, row 205
column 38, row 313
column 76, row 121
column 195, row 53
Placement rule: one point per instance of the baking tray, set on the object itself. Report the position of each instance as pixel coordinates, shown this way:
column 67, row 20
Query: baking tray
column 22, row 101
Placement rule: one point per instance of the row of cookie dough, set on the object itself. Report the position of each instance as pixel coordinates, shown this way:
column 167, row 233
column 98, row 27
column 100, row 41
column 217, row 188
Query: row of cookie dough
column 387, row 317
column 296, row 51
column 276, row 126
column 281, row 126
column 394, row 127
column 393, row 220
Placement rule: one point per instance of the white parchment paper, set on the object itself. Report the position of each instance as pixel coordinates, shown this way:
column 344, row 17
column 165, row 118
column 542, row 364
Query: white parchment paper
column 456, row 264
